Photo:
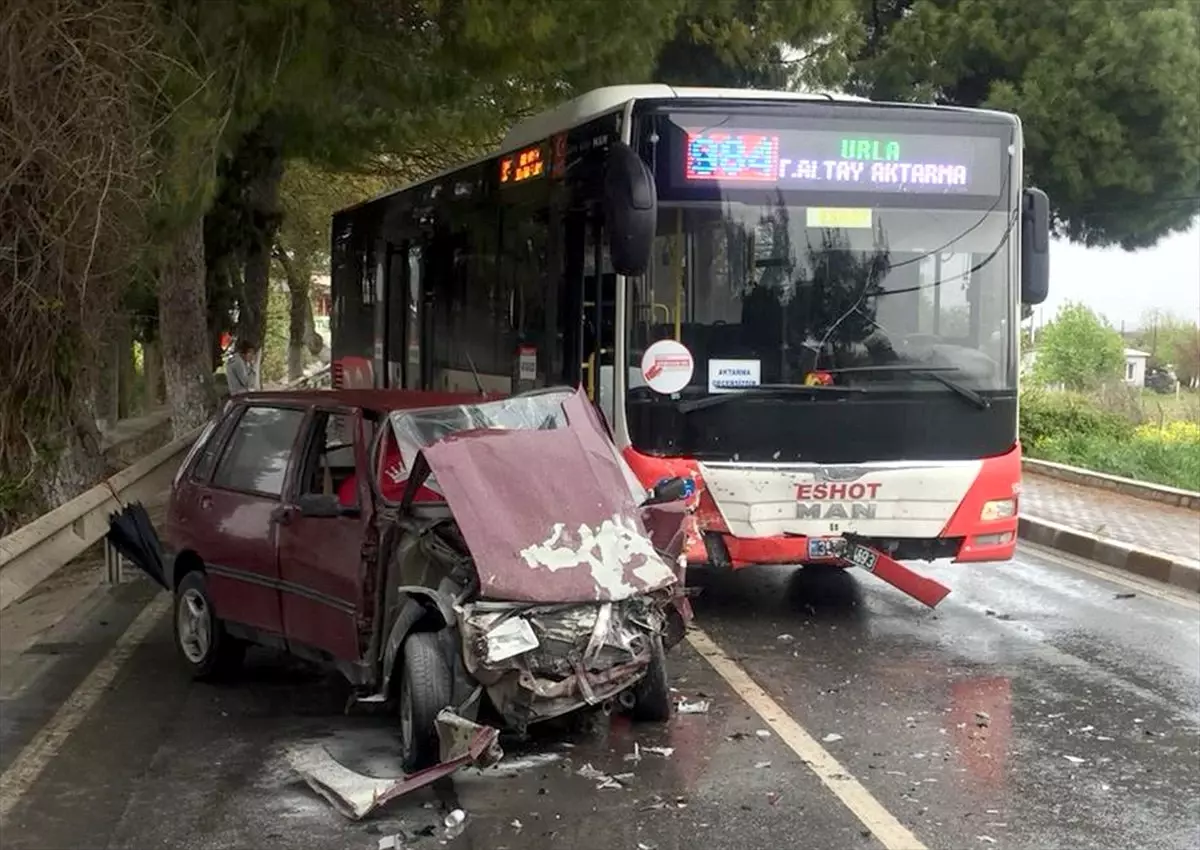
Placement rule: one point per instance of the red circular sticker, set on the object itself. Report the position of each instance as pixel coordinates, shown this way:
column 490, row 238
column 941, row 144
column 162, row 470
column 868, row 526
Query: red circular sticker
column 667, row 366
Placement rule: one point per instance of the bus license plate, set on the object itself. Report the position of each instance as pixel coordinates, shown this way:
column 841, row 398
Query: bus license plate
column 826, row 548
column 862, row 557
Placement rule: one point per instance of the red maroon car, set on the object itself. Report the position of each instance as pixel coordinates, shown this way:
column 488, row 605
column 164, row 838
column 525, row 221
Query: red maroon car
column 440, row 550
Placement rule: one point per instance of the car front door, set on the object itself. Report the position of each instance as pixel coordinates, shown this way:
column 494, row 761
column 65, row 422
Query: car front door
column 236, row 515
column 320, row 556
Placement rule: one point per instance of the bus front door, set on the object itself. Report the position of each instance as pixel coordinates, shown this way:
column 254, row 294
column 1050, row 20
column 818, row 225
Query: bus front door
column 599, row 309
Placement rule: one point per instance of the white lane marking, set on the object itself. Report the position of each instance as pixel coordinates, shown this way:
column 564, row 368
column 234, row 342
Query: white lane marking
column 28, row 766
column 883, row 824
column 1133, row 581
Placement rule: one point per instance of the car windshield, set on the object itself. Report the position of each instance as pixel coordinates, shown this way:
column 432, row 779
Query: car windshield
column 418, row 428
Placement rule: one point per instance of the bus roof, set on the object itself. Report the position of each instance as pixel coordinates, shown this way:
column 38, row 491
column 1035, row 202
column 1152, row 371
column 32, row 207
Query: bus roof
column 597, row 102
column 602, row 100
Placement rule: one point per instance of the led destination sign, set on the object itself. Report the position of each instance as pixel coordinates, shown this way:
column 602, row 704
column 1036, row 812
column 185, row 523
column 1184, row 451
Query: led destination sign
column 522, row 165
column 824, row 160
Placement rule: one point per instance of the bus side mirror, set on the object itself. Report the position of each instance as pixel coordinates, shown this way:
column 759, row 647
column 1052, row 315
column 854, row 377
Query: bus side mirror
column 1035, row 246
column 630, row 210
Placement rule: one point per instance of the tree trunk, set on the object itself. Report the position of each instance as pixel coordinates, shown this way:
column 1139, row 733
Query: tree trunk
column 126, row 368
column 152, row 371
column 263, row 157
column 303, row 342
column 108, row 376
column 79, row 462
column 183, row 331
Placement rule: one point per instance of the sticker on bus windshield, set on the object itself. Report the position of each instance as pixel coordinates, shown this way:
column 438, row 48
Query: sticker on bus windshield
column 838, row 217
column 667, row 366
column 727, row 376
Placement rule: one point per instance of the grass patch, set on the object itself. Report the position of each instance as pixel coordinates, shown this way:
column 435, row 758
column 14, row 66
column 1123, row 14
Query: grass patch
column 1141, row 436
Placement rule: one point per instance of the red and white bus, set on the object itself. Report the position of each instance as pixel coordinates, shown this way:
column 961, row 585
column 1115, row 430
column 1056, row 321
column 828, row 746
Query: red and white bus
column 809, row 303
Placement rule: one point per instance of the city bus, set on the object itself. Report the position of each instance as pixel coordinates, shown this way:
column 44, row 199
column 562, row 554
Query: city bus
column 809, row 304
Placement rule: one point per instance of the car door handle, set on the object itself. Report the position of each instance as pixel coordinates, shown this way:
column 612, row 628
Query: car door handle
column 206, row 502
column 282, row 515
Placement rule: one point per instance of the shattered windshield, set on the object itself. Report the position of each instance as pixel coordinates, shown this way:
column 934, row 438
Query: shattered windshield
column 422, row 427
column 416, row 429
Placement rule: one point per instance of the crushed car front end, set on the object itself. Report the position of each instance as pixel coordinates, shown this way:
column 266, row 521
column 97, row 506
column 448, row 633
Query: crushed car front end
column 570, row 602
column 542, row 661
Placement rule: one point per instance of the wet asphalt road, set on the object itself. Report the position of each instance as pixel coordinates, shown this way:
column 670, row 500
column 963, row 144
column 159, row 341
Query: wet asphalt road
column 1038, row 707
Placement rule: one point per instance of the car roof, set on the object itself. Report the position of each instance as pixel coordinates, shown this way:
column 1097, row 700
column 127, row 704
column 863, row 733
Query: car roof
column 378, row 400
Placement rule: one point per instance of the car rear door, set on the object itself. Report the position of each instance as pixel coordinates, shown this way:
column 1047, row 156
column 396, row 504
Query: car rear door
column 320, row 557
column 234, row 516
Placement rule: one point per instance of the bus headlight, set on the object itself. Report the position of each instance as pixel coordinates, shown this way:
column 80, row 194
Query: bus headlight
column 998, row 509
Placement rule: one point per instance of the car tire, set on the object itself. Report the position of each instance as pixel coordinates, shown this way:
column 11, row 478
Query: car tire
column 425, row 689
column 200, row 637
column 653, row 692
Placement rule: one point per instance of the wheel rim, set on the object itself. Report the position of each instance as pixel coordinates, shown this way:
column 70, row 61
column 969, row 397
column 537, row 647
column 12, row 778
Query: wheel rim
column 194, row 623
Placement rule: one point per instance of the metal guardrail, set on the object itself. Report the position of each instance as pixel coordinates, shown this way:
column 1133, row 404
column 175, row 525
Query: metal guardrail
column 34, row 552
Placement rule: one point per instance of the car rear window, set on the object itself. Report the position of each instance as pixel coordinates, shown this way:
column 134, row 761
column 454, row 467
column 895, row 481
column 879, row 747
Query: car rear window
column 256, row 458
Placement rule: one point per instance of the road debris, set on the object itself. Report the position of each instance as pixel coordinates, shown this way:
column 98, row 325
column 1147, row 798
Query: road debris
column 700, row 706
column 760, row 765
column 658, row 803
column 762, row 734
column 665, row 752
column 1124, row 595
column 355, row 795
column 392, row 842
column 606, row 781
column 785, row 638
column 982, row 718
column 455, row 823
column 986, row 839
column 1075, row 759
column 517, row 825
column 831, row 738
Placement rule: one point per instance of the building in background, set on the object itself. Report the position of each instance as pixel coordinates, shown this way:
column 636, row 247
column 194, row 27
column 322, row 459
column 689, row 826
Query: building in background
column 1135, row 367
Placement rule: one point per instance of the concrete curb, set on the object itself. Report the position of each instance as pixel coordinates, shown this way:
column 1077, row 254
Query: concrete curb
column 1173, row 496
column 1174, row 570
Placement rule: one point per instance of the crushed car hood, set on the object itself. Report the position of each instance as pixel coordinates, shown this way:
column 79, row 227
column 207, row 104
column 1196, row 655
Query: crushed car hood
column 548, row 515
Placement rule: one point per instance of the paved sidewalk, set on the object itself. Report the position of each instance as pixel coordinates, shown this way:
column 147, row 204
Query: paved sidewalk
column 1113, row 516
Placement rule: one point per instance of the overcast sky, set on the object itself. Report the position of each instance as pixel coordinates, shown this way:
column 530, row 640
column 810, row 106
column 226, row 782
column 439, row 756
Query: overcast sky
column 1122, row 285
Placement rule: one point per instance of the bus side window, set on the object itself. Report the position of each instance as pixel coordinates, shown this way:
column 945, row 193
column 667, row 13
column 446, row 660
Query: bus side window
column 524, row 274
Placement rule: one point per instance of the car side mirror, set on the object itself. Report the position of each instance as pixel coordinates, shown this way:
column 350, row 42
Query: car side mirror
column 630, row 210
column 1035, row 246
column 671, row 490
column 322, row 505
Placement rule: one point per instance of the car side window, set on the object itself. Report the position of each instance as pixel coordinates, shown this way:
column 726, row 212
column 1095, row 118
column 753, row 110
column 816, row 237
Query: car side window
column 256, row 458
column 208, row 455
column 330, row 466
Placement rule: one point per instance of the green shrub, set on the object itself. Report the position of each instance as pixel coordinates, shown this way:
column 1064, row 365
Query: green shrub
column 1050, row 415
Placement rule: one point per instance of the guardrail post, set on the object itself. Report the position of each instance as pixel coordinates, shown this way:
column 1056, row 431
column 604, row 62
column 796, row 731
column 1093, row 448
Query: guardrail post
column 114, row 564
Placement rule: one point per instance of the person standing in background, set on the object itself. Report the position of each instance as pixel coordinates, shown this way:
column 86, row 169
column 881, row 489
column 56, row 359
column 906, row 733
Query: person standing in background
column 240, row 371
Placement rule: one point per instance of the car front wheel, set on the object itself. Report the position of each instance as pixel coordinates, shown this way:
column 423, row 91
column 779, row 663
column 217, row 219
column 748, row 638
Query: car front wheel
column 200, row 637
column 653, row 693
column 425, row 689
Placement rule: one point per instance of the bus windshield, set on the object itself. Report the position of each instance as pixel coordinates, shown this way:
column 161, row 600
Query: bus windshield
column 767, row 294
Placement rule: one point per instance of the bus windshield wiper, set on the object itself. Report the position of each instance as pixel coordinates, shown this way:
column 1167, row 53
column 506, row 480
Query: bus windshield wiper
column 766, row 391
column 936, row 373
